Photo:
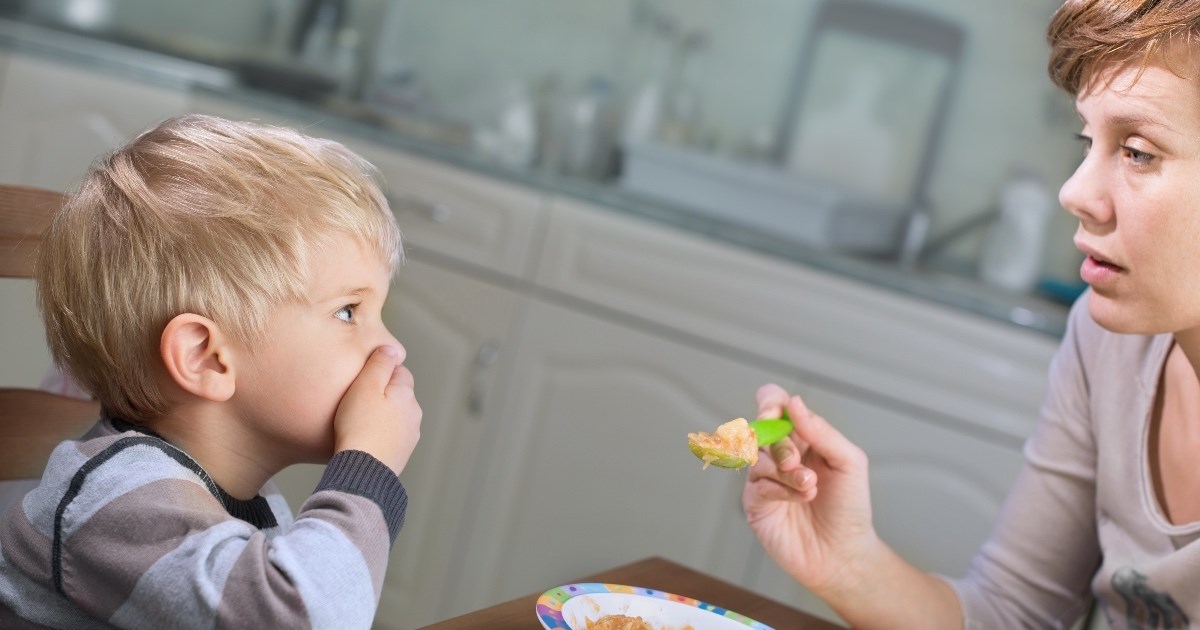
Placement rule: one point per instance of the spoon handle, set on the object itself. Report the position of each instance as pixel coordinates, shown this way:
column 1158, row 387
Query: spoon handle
column 772, row 430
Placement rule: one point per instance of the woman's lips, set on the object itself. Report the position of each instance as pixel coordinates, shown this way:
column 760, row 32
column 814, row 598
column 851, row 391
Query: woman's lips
column 1097, row 272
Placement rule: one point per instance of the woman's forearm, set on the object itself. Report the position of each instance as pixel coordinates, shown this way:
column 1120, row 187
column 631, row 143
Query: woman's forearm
column 882, row 590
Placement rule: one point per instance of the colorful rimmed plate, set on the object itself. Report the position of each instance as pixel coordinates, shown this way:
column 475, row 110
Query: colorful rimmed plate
column 571, row 606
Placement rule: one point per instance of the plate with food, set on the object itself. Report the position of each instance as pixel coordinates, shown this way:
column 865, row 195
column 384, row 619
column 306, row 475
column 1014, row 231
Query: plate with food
column 599, row 606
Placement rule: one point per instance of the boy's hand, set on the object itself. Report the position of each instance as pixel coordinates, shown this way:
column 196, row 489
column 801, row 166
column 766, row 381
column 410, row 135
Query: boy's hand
column 379, row 414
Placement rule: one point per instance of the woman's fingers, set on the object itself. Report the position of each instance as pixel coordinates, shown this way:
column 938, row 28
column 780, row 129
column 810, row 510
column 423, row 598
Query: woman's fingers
column 771, row 400
column 823, row 439
column 772, row 487
column 794, row 476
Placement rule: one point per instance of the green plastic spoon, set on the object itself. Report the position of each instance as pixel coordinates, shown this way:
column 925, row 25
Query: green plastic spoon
column 767, row 431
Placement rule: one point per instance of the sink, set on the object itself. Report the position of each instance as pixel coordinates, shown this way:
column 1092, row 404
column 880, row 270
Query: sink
column 765, row 198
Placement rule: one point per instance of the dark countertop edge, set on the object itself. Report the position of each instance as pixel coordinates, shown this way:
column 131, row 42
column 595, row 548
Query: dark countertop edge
column 1025, row 312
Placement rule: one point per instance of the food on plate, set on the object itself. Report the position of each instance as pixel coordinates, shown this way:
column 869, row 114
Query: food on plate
column 618, row 622
column 733, row 445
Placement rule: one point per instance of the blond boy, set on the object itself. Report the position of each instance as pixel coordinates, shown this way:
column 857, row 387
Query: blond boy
column 218, row 286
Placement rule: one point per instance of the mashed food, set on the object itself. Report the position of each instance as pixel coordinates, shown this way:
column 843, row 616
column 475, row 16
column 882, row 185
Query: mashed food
column 732, row 445
column 618, row 622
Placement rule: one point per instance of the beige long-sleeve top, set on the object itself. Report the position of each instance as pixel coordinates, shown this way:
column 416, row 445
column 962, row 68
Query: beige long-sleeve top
column 1083, row 514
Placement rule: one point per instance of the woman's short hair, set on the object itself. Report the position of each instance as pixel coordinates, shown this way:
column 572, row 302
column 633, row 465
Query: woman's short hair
column 197, row 215
column 1087, row 36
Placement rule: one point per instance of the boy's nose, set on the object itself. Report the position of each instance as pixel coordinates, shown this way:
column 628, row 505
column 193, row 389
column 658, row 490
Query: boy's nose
column 388, row 339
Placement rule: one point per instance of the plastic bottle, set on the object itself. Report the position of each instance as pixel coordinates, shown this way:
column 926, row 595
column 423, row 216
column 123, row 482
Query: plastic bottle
column 1013, row 252
column 588, row 134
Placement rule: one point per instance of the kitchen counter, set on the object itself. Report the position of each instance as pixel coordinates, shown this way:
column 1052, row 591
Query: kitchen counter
column 452, row 145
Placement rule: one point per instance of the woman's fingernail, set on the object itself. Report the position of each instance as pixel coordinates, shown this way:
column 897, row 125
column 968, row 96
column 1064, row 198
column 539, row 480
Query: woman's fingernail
column 391, row 351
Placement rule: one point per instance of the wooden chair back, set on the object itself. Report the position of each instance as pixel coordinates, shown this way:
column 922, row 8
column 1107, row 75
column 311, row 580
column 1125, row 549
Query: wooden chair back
column 32, row 421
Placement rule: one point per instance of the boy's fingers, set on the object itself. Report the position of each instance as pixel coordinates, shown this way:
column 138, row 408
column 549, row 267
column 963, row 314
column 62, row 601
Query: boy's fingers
column 402, row 379
column 380, row 367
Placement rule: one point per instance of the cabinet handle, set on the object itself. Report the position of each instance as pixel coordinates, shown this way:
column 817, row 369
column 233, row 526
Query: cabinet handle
column 487, row 355
column 432, row 210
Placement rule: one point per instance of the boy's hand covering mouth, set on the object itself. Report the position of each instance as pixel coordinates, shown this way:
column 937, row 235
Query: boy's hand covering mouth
column 379, row 413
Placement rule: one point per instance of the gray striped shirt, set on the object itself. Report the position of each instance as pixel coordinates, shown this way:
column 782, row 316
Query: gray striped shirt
column 127, row 531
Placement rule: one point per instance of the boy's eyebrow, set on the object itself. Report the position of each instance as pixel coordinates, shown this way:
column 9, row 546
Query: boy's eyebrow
column 345, row 292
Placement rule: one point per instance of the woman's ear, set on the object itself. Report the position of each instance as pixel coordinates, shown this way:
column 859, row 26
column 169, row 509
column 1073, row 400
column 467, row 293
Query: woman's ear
column 198, row 357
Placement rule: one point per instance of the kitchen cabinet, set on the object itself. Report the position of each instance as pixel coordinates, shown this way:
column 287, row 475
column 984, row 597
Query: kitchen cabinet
column 455, row 330
column 917, row 388
column 56, row 119
column 587, row 464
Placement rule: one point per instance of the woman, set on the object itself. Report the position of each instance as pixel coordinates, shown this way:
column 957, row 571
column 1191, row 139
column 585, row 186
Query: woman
column 1107, row 504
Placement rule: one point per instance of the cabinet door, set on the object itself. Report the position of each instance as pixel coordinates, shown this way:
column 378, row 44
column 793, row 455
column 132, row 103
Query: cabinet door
column 588, row 467
column 935, row 492
column 453, row 328
column 55, row 119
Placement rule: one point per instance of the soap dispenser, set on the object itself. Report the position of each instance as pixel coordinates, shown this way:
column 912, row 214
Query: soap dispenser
column 1015, row 246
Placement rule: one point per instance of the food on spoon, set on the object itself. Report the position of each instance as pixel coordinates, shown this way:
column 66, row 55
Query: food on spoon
column 618, row 622
column 732, row 445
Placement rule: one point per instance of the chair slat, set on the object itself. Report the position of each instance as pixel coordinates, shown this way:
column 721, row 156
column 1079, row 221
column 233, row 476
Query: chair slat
column 24, row 214
column 32, row 423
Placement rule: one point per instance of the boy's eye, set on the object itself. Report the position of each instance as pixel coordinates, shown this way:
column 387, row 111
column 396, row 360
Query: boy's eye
column 346, row 313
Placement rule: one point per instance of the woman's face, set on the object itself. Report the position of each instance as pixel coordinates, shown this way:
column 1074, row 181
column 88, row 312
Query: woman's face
column 1137, row 197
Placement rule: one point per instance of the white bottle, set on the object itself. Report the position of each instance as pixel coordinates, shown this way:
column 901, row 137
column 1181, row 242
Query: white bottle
column 1012, row 255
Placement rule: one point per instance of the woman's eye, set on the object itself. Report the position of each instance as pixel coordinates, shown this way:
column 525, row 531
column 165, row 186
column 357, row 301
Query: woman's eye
column 1141, row 158
column 1085, row 141
column 346, row 313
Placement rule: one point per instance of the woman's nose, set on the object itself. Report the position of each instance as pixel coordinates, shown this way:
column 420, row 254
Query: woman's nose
column 1085, row 193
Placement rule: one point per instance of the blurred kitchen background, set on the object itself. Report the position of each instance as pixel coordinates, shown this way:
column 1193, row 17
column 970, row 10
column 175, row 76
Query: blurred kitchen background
column 621, row 217
column 890, row 132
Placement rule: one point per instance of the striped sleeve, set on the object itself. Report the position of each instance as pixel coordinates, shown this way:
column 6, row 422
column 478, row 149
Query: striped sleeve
column 142, row 538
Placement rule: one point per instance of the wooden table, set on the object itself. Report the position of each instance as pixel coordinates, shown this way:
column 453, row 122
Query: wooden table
column 656, row 573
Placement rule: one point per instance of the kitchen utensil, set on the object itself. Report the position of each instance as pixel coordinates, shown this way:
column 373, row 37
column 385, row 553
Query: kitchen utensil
column 767, row 431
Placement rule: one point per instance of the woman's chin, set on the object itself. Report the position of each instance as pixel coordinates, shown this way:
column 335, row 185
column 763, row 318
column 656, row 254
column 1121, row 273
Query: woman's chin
column 1123, row 317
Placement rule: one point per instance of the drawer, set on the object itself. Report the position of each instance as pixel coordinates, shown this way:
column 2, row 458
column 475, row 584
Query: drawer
column 453, row 212
column 839, row 333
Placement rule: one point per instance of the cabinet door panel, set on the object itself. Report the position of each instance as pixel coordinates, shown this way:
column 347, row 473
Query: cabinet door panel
column 589, row 466
column 449, row 324
column 935, row 493
column 836, row 329
column 452, row 212
column 56, row 119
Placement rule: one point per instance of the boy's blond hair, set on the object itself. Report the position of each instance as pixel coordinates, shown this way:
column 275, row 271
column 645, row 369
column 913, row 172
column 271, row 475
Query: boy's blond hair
column 198, row 215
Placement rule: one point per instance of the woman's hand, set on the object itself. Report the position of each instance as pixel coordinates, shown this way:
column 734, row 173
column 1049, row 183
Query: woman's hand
column 809, row 502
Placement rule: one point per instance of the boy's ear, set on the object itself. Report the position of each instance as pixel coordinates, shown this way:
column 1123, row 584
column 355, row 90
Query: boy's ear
column 198, row 357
